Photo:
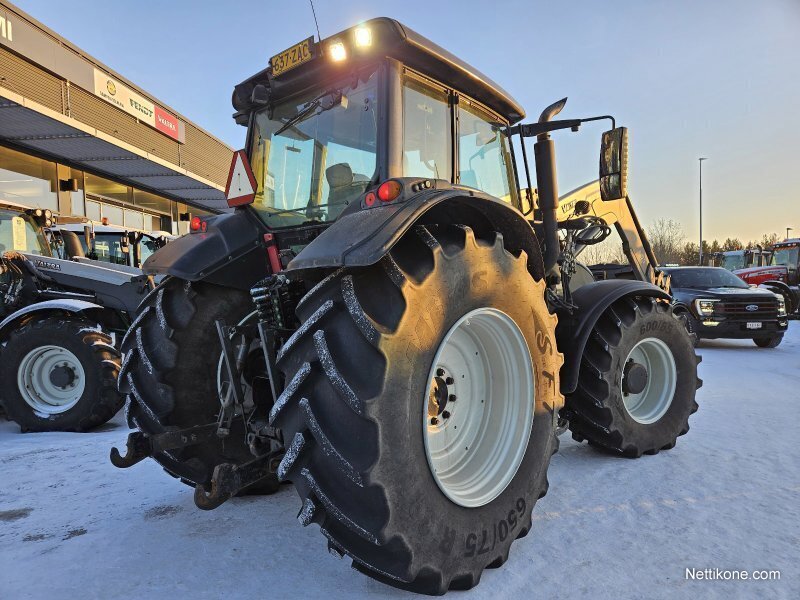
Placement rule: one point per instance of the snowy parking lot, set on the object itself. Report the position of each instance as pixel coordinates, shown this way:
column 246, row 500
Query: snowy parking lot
column 726, row 498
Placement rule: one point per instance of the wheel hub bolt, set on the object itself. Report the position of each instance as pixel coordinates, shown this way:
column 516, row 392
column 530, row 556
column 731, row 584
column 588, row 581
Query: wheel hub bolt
column 440, row 372
column 446, row 414
column 434, row 421
column 449, row 381
column 451, row 398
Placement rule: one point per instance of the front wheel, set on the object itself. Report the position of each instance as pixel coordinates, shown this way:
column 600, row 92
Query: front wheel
column 769, row 342
column 59, row 374
column 637, row 381
column 420, row 408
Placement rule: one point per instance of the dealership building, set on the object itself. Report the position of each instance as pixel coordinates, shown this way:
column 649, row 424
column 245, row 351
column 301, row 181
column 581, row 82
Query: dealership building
column 80, row 139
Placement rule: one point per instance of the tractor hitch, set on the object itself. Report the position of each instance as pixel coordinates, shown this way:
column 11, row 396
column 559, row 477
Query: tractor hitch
column 229, row 479
column 140, row 446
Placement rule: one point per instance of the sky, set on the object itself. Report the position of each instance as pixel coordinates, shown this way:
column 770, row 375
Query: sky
column 689, row 78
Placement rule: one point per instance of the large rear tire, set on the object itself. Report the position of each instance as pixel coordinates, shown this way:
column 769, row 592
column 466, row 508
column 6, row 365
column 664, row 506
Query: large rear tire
column 637, row 381
column 171, row 359
column 380, row 351
column 59, row 374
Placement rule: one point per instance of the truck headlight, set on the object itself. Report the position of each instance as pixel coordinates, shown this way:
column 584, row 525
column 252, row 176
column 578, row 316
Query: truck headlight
column 781, row 307
column 704, row 307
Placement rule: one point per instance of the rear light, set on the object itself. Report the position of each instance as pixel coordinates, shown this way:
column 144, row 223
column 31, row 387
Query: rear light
column 196, row 224
column 370, row 198
column 389, row 190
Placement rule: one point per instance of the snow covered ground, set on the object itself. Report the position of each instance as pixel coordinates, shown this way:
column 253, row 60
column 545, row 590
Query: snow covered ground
column 727, row 497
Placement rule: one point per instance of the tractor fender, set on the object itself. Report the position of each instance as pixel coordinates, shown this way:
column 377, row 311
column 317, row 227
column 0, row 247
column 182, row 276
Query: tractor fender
column 231, row 252
column 362, row 237
column 591, row 301
column 48, row 307
column 779, row 287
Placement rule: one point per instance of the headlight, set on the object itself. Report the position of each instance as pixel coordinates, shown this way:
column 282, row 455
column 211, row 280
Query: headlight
column 337, row 51
column 704, row 307
column 363, row 37
column 781, row 307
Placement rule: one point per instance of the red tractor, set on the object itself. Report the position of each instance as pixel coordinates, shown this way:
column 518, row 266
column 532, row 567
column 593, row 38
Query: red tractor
column 781, row 275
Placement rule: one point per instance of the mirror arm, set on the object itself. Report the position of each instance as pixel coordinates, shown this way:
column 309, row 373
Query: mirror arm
column 537, row 129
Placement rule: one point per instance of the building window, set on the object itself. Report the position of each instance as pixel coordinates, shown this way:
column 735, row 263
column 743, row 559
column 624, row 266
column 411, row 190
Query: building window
column 27, row 180
column 100, row 186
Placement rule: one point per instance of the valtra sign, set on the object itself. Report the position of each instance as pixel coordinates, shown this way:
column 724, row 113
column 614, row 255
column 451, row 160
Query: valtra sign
column 124, row 98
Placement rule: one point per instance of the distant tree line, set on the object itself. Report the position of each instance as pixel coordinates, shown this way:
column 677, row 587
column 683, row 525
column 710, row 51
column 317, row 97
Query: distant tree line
column 670, row 246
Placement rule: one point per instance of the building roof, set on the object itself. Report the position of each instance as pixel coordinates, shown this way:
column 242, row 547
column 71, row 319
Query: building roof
column 58, row 101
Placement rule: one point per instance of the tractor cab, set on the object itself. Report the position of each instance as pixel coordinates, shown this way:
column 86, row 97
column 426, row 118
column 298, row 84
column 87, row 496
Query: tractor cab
column 330, row 120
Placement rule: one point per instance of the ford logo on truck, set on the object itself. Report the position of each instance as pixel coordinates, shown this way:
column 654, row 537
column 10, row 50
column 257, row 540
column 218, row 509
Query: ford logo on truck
column 751, row 307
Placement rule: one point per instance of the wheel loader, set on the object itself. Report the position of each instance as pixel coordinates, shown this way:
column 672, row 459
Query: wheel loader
column 389, row 320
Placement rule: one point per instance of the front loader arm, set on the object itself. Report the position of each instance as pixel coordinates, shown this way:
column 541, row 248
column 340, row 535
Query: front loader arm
column 621, row 215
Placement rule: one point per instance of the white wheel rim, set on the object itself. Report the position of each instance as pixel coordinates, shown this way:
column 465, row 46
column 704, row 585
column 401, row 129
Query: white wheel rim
column 475, row 449
column 654, row 400
column 51, row 379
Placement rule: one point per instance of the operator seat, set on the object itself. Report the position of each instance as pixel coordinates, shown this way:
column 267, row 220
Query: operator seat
column 344, row 184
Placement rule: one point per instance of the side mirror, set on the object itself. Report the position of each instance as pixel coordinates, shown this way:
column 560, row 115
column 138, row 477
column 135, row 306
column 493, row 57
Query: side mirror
column 614, row 164
column 87, row 236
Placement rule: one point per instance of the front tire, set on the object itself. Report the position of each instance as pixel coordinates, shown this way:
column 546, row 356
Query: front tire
column 359, row 406
column 637, row 381
column 769, row 342
column 59, row 374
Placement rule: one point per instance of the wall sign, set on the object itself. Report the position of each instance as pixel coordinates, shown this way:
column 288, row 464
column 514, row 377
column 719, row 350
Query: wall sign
column 124, row 98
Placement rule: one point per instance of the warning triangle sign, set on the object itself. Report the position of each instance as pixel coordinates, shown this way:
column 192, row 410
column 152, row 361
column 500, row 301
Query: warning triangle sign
column 241, row 188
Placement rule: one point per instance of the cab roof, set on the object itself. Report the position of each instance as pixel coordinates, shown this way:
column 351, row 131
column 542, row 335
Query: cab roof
column 393, row 39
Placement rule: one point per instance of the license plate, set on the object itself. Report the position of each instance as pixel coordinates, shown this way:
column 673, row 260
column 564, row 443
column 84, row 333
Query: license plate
column 752, row 325
column 292, row 57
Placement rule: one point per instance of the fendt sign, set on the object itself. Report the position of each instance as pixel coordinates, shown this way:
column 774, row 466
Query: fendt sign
column 124, row 98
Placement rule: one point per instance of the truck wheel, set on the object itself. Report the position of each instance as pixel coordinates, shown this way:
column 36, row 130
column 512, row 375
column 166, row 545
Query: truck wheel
column 420, row 408
column 637, row 381
column 769, row 342
column 59, row 374
column 170, row 374
column 689, row 323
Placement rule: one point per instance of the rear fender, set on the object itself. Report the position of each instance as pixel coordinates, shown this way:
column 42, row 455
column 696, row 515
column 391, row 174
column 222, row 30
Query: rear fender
column 231, row 253
column 40, row 309
column 592, row 300
column 362, row 237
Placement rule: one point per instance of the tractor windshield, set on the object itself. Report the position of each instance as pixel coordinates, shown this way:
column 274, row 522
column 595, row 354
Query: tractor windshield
column 787, row 256
column 315, row 154
column 732, row 261
column 20, row 232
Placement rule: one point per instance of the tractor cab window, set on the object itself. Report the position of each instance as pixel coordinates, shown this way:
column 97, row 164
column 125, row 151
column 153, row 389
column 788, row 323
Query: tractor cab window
column 314, row 155
column 786, row 256
column 427, row 137
column 484, row 162
column 19, row 232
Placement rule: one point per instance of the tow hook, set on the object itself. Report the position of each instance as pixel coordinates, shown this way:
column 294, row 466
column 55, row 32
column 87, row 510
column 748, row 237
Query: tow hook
column 230, row 479
column 140, row 446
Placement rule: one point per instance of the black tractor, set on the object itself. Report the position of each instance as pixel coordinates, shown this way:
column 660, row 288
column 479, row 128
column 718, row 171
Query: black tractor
column 388, row 323
column 61, row 322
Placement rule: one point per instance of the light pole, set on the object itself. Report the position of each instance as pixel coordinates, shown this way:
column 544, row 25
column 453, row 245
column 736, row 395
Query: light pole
column 700, row 160
column 788, row 229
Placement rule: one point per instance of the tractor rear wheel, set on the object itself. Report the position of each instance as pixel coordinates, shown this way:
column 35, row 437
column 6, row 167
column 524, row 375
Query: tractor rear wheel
column 637, row 381
column 420, row 408
column 169, row 372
